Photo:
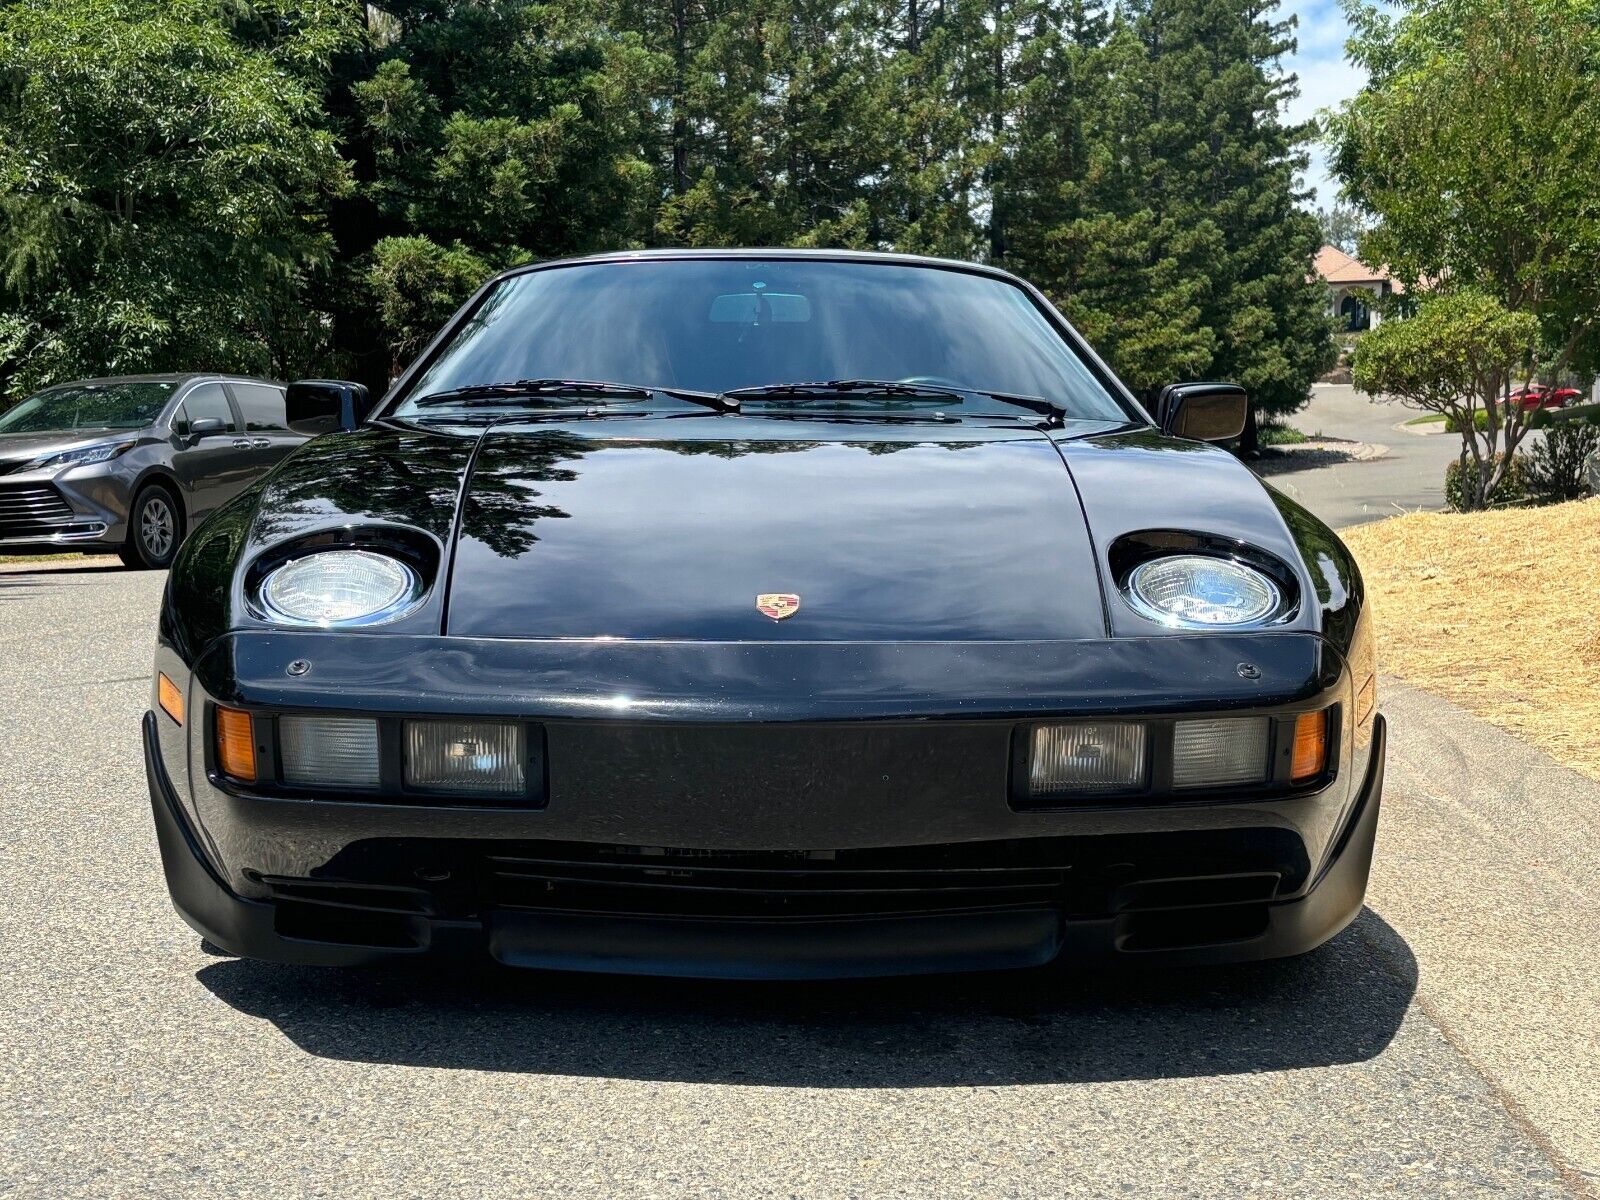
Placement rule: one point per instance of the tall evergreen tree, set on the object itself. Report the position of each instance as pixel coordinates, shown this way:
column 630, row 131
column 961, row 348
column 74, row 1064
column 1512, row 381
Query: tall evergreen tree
column 780, row 97
column 483, row 133
column 1163, row 212
column 925, row 201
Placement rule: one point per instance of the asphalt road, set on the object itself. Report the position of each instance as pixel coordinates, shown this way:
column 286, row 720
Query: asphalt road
column 1444, row 1046
column 1408, row 476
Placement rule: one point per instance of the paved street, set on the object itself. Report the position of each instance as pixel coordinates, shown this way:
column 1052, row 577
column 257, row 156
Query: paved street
column 1443, row 1046
column 1408, row 476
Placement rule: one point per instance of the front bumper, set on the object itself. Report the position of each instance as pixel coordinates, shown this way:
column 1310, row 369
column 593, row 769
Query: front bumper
column 1219, row 889
column 81, row 508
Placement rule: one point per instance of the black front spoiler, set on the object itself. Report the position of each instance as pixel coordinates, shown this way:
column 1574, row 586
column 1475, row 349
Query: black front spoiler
column 748, row 949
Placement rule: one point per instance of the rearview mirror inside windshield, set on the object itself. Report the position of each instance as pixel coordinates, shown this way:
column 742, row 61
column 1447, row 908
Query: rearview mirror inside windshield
column 760, row 308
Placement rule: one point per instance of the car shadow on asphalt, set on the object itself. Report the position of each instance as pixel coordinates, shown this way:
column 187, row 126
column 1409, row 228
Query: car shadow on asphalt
column 18, row 579
column 1343, row 1003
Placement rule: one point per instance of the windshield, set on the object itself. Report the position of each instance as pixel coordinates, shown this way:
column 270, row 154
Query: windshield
column 715, row 325
column 88, row 406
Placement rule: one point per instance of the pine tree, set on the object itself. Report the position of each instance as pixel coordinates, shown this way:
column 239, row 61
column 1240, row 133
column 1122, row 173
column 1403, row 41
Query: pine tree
column 925, row 201
column 1152, row 193
column 483, row 134
column 781, row 98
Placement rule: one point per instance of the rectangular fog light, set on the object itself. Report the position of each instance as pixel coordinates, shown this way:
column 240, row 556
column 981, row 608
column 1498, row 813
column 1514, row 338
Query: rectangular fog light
column 1087, row 758
column 340, row 752
column 481, row 758
column 1222, row 753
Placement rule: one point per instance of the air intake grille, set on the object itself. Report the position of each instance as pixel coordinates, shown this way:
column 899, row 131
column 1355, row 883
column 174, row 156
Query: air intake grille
column 33, row 509
column 689, row 883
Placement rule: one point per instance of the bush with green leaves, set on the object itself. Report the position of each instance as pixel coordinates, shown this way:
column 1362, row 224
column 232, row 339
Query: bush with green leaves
column 418, row 285
column 1510, row 490
column 1554, row 470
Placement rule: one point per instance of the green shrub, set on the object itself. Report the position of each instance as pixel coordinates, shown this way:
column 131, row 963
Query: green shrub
column 1554, row 468
column 1454, row 426
column 1271, row 434
column 1511, row 490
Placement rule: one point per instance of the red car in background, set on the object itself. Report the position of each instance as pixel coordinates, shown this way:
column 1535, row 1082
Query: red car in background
column 1529, row 398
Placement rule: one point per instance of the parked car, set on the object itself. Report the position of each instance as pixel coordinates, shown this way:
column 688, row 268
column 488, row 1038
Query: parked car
column 772, row 615
column 132, row 464
column 1538, row 396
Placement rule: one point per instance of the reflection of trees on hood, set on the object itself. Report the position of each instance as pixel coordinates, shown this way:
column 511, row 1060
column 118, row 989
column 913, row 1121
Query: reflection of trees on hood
column 406, row 475
column 385, row 475
column 729, row 448
column 502, row 506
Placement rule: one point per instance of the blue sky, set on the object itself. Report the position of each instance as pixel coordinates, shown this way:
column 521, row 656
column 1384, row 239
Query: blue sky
column 1325, row 77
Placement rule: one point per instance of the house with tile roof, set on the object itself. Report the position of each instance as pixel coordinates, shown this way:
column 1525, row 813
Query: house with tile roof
column 1354, row 288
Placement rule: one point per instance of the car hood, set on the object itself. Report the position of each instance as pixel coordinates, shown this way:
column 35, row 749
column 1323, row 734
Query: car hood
column 669, row 528
column 672, row 530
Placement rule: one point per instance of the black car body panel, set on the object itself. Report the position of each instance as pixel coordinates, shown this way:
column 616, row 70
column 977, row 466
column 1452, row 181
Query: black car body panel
column 714, row 791
column 637, row 531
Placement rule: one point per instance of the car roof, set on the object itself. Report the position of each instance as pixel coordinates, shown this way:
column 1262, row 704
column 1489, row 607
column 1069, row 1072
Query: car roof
column 756, row 252
column 163, row 377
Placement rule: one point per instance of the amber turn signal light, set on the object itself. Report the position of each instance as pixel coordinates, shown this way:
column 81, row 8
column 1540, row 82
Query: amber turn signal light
column 169, row 697
column 1310, row 746
column 236, row 744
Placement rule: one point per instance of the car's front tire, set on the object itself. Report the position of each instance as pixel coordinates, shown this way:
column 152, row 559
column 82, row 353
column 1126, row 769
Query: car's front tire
column 155, row 529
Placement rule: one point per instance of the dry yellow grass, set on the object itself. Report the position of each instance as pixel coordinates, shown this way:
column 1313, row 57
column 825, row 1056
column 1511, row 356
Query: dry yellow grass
column 1499, row 612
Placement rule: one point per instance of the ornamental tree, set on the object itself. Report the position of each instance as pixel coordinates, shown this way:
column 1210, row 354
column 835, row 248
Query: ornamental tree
column 1455, row 357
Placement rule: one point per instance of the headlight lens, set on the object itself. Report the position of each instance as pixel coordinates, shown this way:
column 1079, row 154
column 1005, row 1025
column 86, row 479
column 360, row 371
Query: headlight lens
column 82, row 457
column 476, row 757
column 1087, row 758
column 340, row 587
column 1195, row 591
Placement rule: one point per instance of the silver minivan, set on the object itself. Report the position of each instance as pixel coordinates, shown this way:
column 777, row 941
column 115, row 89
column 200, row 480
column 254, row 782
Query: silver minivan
column 131, row 464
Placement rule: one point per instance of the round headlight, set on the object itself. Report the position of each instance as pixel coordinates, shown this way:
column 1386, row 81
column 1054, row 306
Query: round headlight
column 1198, row 592
column 340, row 587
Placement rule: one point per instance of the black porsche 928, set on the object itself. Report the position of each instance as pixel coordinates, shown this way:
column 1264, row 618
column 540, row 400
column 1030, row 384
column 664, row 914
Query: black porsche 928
column 764, row 615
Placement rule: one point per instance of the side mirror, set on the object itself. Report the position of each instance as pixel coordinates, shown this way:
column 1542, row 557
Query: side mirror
column 1205, row 412
column 314, row 406
column 206, row 427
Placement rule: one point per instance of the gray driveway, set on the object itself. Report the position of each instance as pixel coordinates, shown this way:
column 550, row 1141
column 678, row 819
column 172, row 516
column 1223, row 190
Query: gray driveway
column 1408, row 476
column 1444, row 1045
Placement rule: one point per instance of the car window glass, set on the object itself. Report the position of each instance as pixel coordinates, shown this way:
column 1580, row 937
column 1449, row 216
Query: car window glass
column 262, row 406
column 73, row 406
column 207, row 400
column 719, row 324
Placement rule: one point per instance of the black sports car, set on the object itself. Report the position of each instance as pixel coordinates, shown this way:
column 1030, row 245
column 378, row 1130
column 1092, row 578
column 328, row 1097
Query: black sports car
column 764, row 614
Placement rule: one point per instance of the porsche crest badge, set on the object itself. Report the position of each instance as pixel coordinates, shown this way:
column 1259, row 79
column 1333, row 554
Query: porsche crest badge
column 777, row 605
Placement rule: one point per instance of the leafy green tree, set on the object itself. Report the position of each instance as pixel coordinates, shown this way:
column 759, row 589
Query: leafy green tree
column 1342, row 225
column 1175, row 242
column 1476, row 143
column 418, row 284
column 162, row 179
column 482, row 134
column 1454, row 356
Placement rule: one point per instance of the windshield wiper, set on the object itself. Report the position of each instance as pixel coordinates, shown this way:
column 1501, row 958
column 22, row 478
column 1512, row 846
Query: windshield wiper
column 836, row 388
column 519, row 391
column 799, row 393
column 1038, row 404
